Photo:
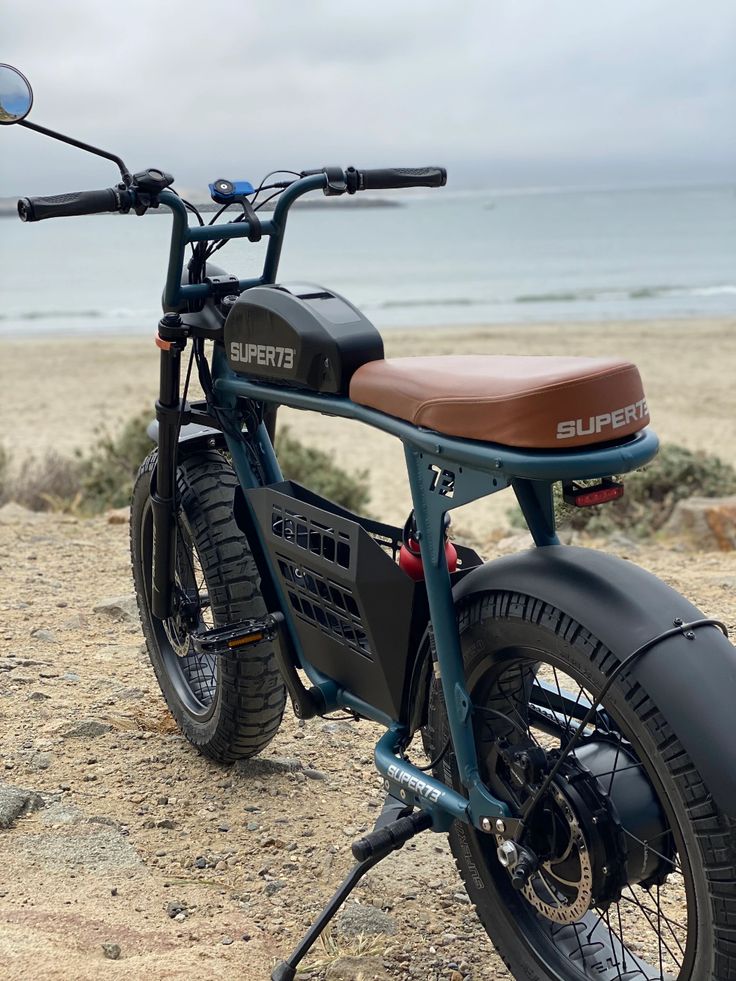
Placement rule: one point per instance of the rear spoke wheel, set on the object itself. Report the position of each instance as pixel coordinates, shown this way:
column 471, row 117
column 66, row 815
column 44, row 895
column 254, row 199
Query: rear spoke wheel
column 620, row 884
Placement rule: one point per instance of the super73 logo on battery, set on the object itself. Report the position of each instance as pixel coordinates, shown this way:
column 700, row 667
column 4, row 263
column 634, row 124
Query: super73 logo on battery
column 267, row 355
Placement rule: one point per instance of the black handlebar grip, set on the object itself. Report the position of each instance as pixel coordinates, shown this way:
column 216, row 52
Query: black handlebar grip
column 76, row 203
column 379, row 180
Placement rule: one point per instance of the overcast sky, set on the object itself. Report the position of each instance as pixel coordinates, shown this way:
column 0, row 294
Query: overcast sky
column 504, row 92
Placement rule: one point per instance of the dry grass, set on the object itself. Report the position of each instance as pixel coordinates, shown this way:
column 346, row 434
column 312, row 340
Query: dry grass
column 331, row 948
column 49, row 484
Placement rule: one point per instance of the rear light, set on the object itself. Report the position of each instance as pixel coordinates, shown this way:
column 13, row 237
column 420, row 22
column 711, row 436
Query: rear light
column 585, row 497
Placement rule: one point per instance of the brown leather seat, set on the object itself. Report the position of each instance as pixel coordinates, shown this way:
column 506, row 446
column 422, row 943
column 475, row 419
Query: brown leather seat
column 540, row 403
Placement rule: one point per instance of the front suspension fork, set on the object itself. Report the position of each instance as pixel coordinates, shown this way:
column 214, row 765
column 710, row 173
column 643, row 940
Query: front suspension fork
column 172, row 341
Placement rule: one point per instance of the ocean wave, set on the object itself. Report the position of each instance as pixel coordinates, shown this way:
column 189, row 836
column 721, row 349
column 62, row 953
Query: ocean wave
column 52, row 315
column 457, row 301
column 588, row 294
column 633, row 293
column 550, row 297
column 647, row 292
column 727, row 290
column 583, row 295
column 115, row 314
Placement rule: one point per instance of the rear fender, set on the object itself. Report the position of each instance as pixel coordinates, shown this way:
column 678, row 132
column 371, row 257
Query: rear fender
column 692, row 682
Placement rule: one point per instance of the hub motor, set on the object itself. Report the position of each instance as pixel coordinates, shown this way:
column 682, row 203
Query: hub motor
column 590, row 834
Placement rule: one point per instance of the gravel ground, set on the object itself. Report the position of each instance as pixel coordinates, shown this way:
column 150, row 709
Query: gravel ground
column 125, row 854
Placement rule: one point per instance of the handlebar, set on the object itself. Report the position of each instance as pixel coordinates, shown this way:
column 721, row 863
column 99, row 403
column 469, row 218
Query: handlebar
column 75, row 203
column 330, row 180
column 339, row 181
column 336, row 181
column 397, row 177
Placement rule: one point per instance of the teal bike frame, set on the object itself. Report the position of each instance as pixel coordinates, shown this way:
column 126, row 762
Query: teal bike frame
column 444, row 473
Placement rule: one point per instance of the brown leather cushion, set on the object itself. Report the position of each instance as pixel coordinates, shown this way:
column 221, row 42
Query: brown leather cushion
column 541, row 403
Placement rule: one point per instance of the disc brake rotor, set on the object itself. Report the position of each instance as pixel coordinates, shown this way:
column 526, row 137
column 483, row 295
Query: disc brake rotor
column 562, row 887
column 177, row 635
column 178, row 627
column 591, row 835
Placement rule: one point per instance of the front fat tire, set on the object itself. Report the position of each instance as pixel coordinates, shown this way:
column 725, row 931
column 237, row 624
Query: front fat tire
column 248, row 699
column 499, row 621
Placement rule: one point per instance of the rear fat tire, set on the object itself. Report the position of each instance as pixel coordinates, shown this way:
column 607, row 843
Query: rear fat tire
column 247, row 704
column 496, row 621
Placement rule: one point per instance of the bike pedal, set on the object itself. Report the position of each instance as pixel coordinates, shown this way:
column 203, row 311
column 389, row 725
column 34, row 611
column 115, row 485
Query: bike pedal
column 226, row 641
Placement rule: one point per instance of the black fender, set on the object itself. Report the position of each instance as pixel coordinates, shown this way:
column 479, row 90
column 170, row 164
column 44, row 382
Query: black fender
column 692, row 681
column 193, row 438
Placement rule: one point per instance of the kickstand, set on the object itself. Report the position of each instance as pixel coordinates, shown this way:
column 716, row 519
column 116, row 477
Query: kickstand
column 395, row 826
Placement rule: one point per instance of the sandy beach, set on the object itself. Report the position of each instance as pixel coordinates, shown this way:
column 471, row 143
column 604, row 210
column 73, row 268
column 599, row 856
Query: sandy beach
column 130, row 845
column 88, row 383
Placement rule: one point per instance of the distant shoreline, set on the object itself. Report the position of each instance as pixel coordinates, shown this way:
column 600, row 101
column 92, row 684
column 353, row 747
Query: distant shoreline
column 124, row 332
column 9, row 206
column 447, row 259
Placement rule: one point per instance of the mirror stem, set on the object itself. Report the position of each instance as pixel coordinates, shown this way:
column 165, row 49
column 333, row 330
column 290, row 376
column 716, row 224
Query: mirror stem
column 124, row 172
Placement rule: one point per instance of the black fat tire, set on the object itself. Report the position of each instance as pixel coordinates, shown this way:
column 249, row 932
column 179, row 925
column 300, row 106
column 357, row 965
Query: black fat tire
column 248, row 701
column 487, row 624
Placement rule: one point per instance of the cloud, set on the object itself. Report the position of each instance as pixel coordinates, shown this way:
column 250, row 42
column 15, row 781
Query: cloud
column 499, row 89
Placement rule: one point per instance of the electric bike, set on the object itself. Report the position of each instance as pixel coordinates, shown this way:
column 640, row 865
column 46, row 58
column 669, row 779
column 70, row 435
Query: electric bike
column 571, row 705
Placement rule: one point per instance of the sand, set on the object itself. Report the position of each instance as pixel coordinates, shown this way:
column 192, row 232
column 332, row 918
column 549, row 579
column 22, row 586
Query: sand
column 136, row 825
column 688, row 367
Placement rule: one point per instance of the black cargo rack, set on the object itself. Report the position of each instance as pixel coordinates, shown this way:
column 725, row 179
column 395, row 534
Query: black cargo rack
column 360, row 618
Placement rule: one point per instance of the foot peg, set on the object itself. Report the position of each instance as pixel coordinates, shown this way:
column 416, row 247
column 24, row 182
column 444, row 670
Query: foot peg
column 228, row 640
column 382, row 841
column 388, row 836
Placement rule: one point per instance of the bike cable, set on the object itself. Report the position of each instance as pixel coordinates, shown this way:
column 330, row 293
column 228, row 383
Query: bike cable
column 194, row 264
column 182, row 407
column 279, row 187
column 190, row 207
column 205, row 378
column 678, row 627
column 219, row 212
column 269, row 198
column 180, row 420
column 183, row 400
column 484, row 710
column 272, row 173
column 436, row 761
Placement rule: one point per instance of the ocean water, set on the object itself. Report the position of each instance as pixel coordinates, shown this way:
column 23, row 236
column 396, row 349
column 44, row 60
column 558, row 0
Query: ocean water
column 443, row 258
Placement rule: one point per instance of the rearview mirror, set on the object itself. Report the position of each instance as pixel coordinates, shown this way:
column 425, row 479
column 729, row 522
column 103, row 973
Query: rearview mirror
column 16, row 97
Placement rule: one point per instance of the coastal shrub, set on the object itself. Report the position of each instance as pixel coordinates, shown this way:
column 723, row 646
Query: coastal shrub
column 315, row 469
column 650, row 494
column 103, row 477
column 85, row 483
column 110, row 468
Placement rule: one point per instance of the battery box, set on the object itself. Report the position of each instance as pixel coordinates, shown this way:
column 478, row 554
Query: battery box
column 300, row 335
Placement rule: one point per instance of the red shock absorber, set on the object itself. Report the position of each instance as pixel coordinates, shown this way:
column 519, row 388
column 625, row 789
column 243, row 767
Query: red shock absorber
column 410, row 559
